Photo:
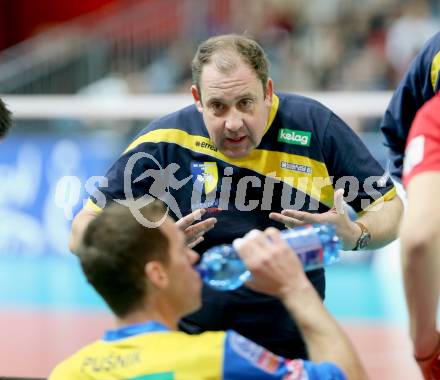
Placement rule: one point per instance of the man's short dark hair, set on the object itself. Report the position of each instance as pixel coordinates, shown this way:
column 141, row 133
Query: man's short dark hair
column 114, row 251
column 5, row 119
column 245, row 47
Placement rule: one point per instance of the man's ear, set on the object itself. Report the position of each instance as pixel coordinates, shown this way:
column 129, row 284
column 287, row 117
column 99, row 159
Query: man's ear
column 269, row 92
column 197, row 98
column 156, row 274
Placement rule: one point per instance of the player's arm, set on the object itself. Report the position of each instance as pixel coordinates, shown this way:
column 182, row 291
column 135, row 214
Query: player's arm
column 420, row 248
column 364, row 183
column 277, row 271
column 381, row 221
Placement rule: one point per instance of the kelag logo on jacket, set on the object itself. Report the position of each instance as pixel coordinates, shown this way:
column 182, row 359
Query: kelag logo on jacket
column 289, row 136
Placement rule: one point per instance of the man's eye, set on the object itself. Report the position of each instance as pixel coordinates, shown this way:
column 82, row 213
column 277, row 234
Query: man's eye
column 246, row 103
column 217, row 107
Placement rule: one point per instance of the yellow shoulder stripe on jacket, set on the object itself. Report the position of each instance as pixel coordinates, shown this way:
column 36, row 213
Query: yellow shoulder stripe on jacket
column 314, row 180
column 435, row 68
column 273, row 111
column 378, row 202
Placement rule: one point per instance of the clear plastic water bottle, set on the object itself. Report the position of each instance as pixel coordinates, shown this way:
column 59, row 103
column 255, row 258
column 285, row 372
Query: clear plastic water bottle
column 316, row 246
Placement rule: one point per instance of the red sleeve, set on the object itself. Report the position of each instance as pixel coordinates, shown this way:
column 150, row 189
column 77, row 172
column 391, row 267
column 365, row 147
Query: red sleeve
column 422, row 152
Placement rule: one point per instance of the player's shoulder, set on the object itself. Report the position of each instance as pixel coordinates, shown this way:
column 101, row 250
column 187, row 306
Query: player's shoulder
column 244, row 356
column 304, row 103
column 299, row 110
column 64, row 370
column 205, row 339
column 69, row 367
column 207, row 346
column 433, row 43
column 428, row 57
column 188, row 119
column 420, row 67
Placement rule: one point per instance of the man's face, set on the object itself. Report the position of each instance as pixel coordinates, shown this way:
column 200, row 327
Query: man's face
column 184, row 290
column 235, row 108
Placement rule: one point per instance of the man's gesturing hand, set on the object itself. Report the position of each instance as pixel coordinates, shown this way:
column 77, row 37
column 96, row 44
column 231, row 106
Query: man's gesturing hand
column 338, row 215
column 194, row 232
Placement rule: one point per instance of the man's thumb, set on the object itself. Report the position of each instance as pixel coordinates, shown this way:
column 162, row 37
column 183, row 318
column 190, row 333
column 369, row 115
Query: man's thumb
column 338, row 202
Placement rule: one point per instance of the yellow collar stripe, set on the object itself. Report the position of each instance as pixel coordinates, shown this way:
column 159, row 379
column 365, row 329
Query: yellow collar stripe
column 435, row 68
column 273, row 111
column 92, row 207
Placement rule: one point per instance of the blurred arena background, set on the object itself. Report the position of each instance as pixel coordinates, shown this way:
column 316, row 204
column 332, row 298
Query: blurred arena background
column 82, row 77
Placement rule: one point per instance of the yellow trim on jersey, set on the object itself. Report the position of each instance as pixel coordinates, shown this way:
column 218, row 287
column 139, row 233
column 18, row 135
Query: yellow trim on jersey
column 273, row 112
column 315, row 183
column 378, row 202
column 435, row 68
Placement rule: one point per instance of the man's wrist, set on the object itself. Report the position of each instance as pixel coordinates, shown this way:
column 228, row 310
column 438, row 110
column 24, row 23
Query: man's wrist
column 432, row 353
column 364, row 237
column 297, row 293
column 351, row 236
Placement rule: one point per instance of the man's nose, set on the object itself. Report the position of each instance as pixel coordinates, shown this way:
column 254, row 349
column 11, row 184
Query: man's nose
column 234, row 121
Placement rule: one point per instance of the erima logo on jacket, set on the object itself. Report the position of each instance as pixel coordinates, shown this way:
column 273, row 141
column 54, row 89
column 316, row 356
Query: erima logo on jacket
column 289, row 136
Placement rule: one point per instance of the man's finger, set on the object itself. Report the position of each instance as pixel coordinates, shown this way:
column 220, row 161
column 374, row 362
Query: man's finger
column 305, row 217
column 273, row 234
column 186, row 221
column 201, row 227
column 258, row 238
column 286, row 220
column 195, row 242
column 248, row 249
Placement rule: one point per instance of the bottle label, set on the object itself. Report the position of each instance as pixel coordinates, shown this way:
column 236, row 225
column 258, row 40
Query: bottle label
column 307, row 245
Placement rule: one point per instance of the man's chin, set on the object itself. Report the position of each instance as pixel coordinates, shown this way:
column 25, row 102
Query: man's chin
column 196, row 306
column 241, row 150
column 236, row 154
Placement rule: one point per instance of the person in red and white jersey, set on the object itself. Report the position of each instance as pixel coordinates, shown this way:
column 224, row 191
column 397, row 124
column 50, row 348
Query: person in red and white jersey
column 420, row 236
